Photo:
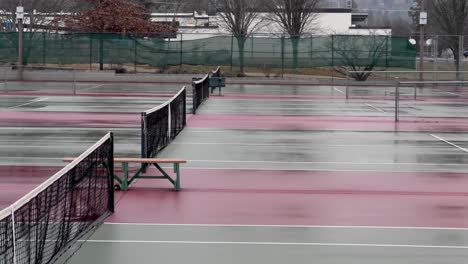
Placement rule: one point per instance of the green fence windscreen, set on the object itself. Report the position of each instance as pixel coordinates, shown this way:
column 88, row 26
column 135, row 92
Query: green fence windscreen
column 257, row 51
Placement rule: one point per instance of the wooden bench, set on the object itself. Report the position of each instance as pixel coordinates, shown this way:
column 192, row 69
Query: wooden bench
column 126, row 180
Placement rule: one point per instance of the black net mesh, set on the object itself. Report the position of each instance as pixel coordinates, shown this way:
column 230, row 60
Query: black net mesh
column 6, row 240
column 201, row 91
column 178, row 114
column 159, row 128
column 155, row 131
column 52, row 224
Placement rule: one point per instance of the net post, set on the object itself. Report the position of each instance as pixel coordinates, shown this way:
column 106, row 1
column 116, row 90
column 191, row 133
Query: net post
column 143, row 139
column 74, row 80
column 185, row 106
column 169, row 122
column 111, row 172
column 13, row 227
column 397, row 101
column 347, row 84
column 194, row 99
column 207, row 87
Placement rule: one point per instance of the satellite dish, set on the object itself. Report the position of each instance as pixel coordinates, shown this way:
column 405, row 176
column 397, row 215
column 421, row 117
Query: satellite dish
column 412, row 41
column 429, row 42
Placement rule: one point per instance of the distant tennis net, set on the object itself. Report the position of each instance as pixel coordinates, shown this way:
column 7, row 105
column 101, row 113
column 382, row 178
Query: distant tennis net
column 162, row 124
column 201, row 91
column 49, row 224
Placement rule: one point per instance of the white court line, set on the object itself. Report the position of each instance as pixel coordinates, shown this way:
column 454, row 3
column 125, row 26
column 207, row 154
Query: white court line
column 37, row 100
column 272, row 244
column 319, row 162
column 272, row 162
column 336, row 89
column 312, row 144
column 92, row 87
column 376, row 108
column 438, row 169
column 450, row 143
column 293, row 226
column 68, row 128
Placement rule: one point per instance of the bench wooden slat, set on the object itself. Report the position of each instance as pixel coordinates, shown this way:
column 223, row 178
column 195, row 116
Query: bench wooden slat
column 140, row 160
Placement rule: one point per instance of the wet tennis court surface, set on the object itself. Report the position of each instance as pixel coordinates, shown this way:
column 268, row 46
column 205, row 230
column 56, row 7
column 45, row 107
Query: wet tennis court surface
column 274, row 175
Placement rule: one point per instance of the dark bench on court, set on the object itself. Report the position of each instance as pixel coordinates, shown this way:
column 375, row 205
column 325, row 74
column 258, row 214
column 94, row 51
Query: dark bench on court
column 215, row 80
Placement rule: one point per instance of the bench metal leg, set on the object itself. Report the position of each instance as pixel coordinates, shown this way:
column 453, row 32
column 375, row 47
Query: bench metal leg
column 177, row 181
column 125, row 176
column 126, row 181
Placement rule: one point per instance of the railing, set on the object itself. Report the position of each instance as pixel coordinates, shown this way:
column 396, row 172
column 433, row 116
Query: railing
column 388, row 78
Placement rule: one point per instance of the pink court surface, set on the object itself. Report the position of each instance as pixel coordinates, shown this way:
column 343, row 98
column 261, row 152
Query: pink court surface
column 275, row 173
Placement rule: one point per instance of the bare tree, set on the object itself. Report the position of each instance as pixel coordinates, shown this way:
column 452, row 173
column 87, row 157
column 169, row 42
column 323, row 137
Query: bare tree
column 359, row 53
column 38, row 16
column 37, row 12
column 295, row 17
column 446, row 18
column 241, row 20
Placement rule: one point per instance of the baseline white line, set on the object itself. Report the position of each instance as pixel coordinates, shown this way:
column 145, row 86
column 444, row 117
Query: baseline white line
column 31, row 102
column 376, row 108
column 450, row 143
column 92, row 87
column 293, row 226
column 312, row 144
column 336, row 89
column 272, row 244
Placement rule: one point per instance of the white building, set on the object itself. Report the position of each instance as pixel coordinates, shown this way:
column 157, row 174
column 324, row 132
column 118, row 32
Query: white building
column 327, row 22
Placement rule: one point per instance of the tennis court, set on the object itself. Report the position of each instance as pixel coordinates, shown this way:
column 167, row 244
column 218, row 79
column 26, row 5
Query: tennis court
column 274, row 174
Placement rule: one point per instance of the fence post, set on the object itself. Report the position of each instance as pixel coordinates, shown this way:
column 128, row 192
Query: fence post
column 44, row 48
column 181, row 49
column 460, row 56
column 436, row 58
column 282, row 56
column 386, row 53
column 101, row 52
column 311, row 48
column 252, row 46
column 232, row 47
column 90, row 51
column 136, row 54
column 333, row 55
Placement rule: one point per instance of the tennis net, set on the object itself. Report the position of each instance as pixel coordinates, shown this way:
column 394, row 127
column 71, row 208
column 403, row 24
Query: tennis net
column 49, row 224
column 162, row 124
column 201, row 91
